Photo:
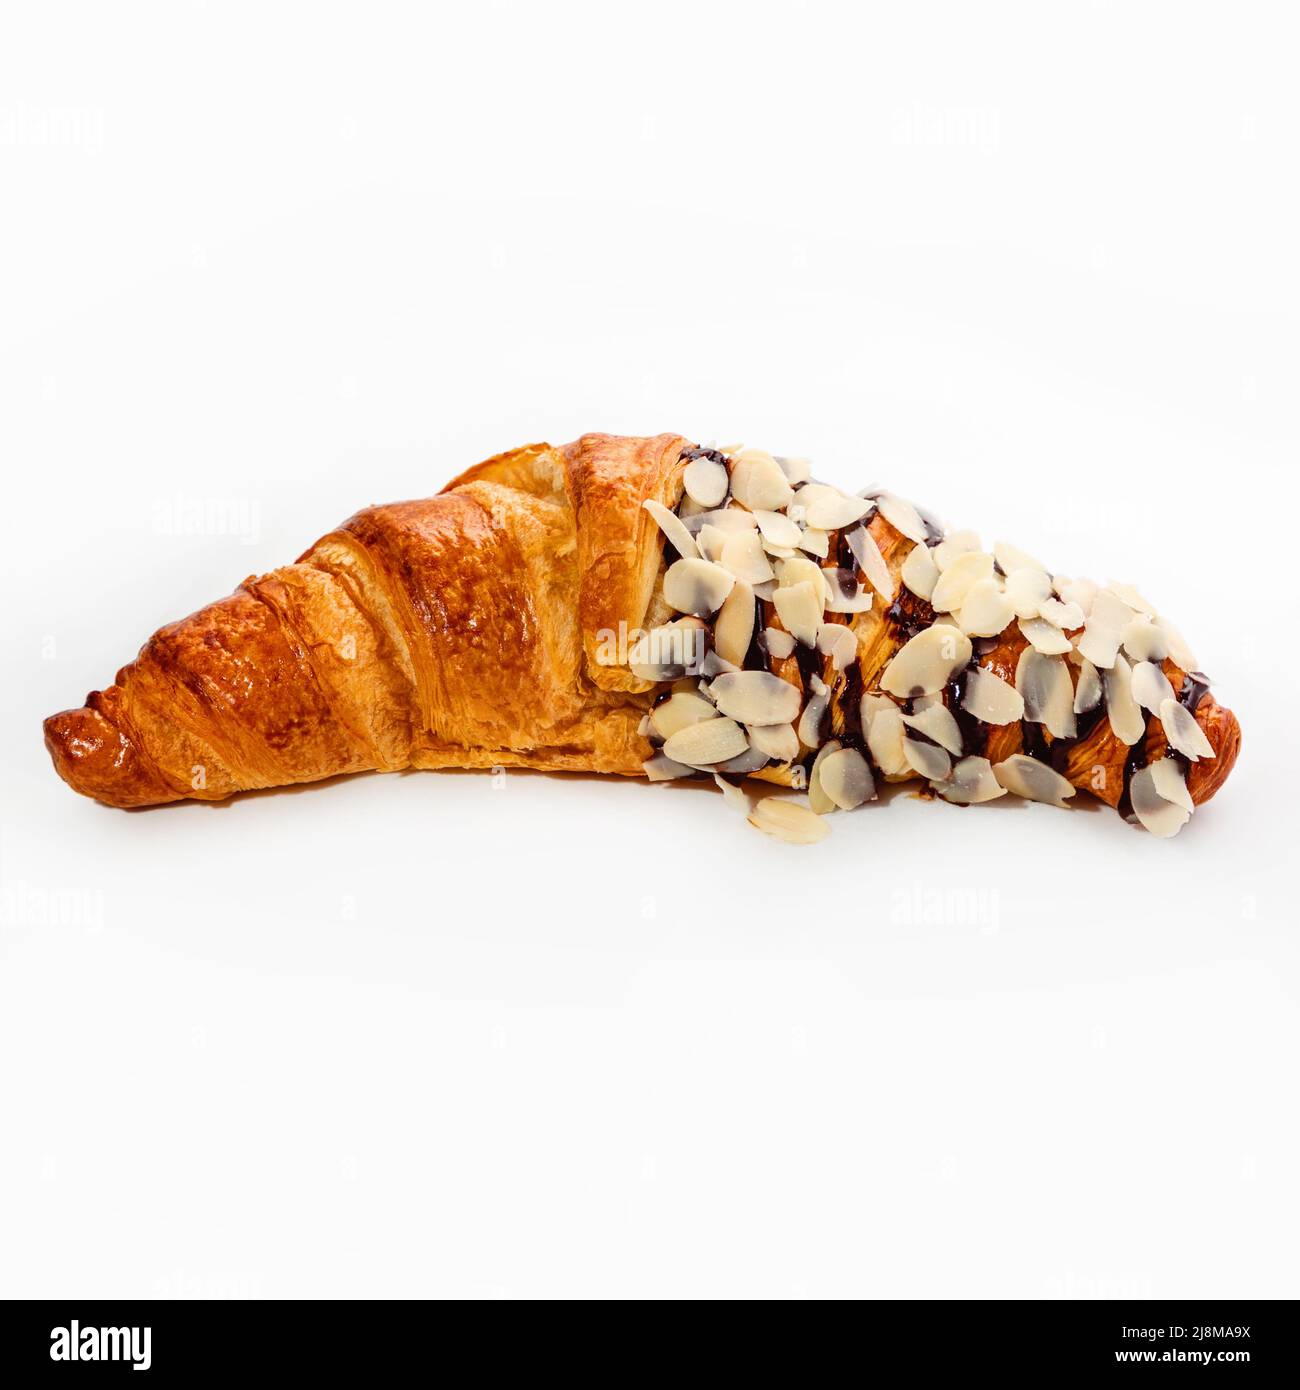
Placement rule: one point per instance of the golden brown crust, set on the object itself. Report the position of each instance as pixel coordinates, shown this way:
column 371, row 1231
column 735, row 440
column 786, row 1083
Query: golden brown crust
column 466, row 630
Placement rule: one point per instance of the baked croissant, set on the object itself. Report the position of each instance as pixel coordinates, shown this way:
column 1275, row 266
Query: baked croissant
column 648, row 607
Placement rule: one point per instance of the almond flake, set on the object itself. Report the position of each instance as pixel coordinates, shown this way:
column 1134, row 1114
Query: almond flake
column 751, row 760
column 1027, row 590
column 710, row 741
column 844, row 593
column 927, row 663
column 1087, row 694
column 815, row 542
column 778, row 741
column 779, row 644
column 920, row 573
column 1035, row 781
column 1107, row 620
column 734, row 795
column 743, row 556
column 990, row 698
column 733, row 628
column 1045, row 637
column 837, row 641
column 1142, row 640
column 673, row 528
column 697, row 586
column 1132, row 599
column 705, row 481
column 1167, row 773
column 809, row 727
column 826, row 508
column 800, row 610
column 902, row 516
column 1151, row 686
column 926, row 758
column 1127, row 721
column 1011, row 558
column 1183, row 732
column 665, row 653
column 871, row 562
column 788, row 820
column 972, row 782
column 936, row 722
column 959, row 578
column 725, row 519
column 871, row 705
column 662, row 769
column 758, row 482
column 1080, row 591
column 818, row 802
column 711, row 541
column 778, row 529
column 1044, row 682
column 846, row 778
column 885, row 735
column 1160, row 816
column 796, row 470
column 985, row 610
column 756, row 697
column 1179, row 652
column 959, row 543
column 800, row 570
column 679, row 710
column 1066, row 616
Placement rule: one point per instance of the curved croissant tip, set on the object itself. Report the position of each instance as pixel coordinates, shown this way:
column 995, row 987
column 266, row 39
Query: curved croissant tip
column 99, row 760
column 1220, row 725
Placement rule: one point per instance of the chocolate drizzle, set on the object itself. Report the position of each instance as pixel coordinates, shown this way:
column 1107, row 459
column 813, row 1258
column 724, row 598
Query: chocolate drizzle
column 974, row 731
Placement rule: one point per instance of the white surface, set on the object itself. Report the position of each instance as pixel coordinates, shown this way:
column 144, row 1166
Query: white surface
column 526, row 1035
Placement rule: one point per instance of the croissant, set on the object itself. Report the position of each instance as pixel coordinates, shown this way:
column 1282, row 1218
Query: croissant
column 654, row 608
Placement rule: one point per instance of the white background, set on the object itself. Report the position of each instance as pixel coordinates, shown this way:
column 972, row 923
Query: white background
column 457, row 1034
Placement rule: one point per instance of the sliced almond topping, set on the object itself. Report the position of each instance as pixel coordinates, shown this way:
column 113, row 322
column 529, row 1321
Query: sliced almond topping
column 1045, row 637
column 711, row 541
column 756, row 697
column 800, row 610
column 758, row 482
column 810, row 721
column 788, row 820
column 715, row 665
column 1035, row 781
column 902, row 516
column 818, row 802
column 1127, row 721
column 1159, row 815
column 1183, row 732
column 665, row 653
column 871, row 705
column 1080, row 591
column 1151, row 686
column 815, row 542
column 697, row 586
column 846, row 778
column 663, row 769
column 885, row 740
column 844, row 593
column 705, row 481
column 725, row 519
column 936, row 721
column 826, row 508
column 710, row 741
column 778, row 741
column 679, row 710
column 796, row 470
column 985, row 610
column 1066, row 616
column 871, row 562
column 1179, row 652
column 990, row 698
column 926, row 758
column 1144, row 641
column 1044, row 682
column 1027, row 590
column 734, row 795
column 673, row 528
column 837, row 641
column 1087, row 694
column 959, row 578
column 1171, row 783
column 778, row 529
column 779, row 644
column 927, row 663
column 751, row 760
column 733, row 629
column 972, row 781
column 800, row 570
column 743, row 556
column 920, row 573
column 1107, row 620
column 1132, row 599
column 959, row 543
column 1011, row 558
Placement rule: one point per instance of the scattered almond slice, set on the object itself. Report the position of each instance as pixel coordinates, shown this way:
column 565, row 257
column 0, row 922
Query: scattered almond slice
column 990, row 698
column 1132, row 599
column 818, row 802
column 959, row 578
column 665, row 653
column 697, row 586
column 870, row 705
column 1142, row 640
column 809, row 727
column 885, row 740
column 733, row 629
column 743, row 556
column 705, row 481
column 902, row 516
column 800, row 570
column 1171, row 783
column 871, row 562
column 1107, row 620
column 972, row 782
column 673, row 528
column 1035, row 781
column 788, row 820
column 925, row 664
column 1080, row 591
column 986, row 609
column 1011, row 558
column 1044, row 682
column 1027, row 590
column 1150, row 686
column 777, row 528
column 826, row 508
column 796, row 470
column 711, row 541
column 1044, row 637
column 711, row 741
column 1161, row 817
column 734, row 795
column 936, row 722
column 837, row 641
column 920, row 573
column 679, row 710
column 844, row 593
column 927, row 758
column 724, row 518
column 1087, row 694
column 756, row 697
column 1066, row 616
column 664, row 769
column 815, row 542
column 1127, row 721
column 779, row 644
column 800, row 609
column 1179, row 652
column 846, row 778
column 751, row 760
column 959, row 543
column 777, row 741
column 758, row 483
column 1183, row 732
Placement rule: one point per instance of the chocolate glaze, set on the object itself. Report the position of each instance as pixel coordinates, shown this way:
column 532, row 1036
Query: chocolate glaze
column 974, row 732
